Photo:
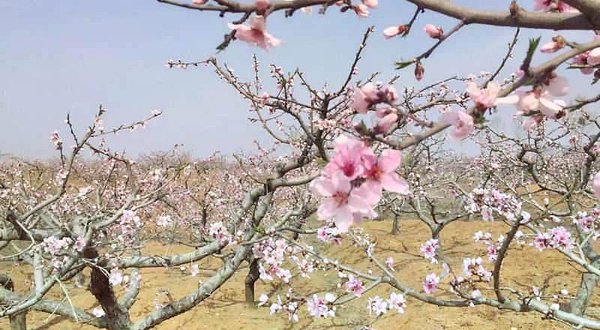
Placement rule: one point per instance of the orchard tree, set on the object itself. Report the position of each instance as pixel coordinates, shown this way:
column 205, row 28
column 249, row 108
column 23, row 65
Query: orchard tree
column 340, row 153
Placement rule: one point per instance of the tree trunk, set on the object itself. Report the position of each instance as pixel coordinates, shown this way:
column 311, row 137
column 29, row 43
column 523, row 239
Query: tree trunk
column 251, row 279
column 16, row 321
column 579, row 304
column 584, row 293
column 396, row 225
column 116, row 315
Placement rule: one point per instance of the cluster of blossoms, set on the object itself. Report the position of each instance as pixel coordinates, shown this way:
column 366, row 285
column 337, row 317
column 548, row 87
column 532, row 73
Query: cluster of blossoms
column 371, row 94
column 54, row 138
column 487, row 201
column 483, row 98
column 164, row 221
column 329, row 235
column 54, row 245
column 557, row 237
column 494, row 246
column 219, row 232
column 588, row 223
column 291, row 307
column 353, row 180
column 130, row 222
column 429, row 250
column 316, row 306
column 321, row 307
column 540, row 101
column 272, row 252
column 378, row 306
column 473, row 267
column 255, row 32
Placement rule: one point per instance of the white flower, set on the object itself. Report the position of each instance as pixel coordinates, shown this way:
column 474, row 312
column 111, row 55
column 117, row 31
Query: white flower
column 116, row 277
column 195, row 270
column 98, row 312
column 263, row 299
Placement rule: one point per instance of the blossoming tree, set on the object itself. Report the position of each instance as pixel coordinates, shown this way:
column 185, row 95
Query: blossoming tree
column 339, row 154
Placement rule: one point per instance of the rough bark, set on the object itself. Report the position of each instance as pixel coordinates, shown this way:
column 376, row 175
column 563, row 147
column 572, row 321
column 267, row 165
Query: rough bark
column 396, row 225
column 17, row 321
column 117, row 316
column 251, row 279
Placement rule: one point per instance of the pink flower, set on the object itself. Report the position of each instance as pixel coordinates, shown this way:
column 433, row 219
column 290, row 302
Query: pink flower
column 472, row 267
column 370, row 94
column 386, row 123
column 594, row 56
column 541, row 4
column 370, row 3
column 462, row 122
column 583, row 59
column 433, row 31
column 361, row 100
column 531, row 122
column 382, row 112
column 429, row 250
column 492, row 252
column 393, row 31
column 355, row 286
column 562, row 7
column 377, row 306
column 483, row 97
column 536, row 101
column 348, row 158
column 342, row 201
column 552, row 47
column 584, row 221
column 255, row 33
column 596, row 185
column 397, row 301
column 380, row 173
column 557, row 85
column 262, row 6
column 549, row 5
column 79, row 244
column 430, row 284
column 389, row 262
column 199, row 2
column 560, row 237
column 361, row 10
column 318, row 307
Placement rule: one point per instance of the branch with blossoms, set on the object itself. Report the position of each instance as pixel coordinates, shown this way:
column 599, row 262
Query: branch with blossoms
column 347, row 147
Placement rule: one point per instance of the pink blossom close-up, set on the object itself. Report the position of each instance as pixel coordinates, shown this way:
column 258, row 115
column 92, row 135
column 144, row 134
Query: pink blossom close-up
column 255, row 33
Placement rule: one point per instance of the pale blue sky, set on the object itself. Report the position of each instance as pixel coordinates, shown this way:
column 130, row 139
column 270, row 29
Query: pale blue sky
column 69, row 56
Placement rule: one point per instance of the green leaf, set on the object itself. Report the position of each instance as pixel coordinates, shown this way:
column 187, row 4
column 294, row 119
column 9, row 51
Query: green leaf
column 533, row 45
column 404, row 64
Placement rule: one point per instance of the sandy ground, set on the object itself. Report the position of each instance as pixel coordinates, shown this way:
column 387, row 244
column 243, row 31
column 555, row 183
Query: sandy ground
column 227, row 310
